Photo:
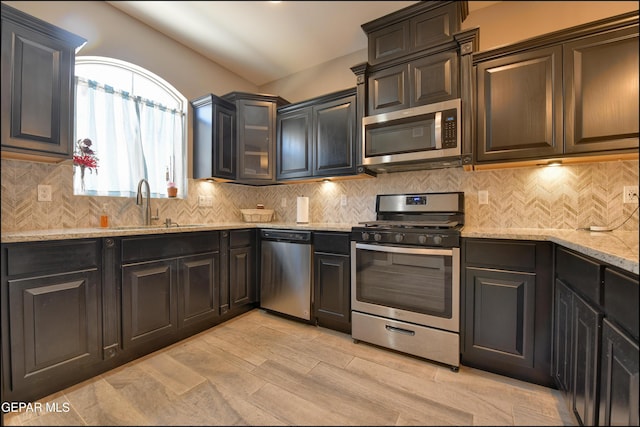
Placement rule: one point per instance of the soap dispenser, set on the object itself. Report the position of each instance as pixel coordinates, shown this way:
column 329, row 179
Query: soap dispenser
column 104, row 217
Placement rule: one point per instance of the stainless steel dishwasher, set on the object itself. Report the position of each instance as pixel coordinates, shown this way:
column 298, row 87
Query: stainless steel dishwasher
column 285, row 273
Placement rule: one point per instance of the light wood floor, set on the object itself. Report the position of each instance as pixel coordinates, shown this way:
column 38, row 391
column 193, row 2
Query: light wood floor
column 261, row 369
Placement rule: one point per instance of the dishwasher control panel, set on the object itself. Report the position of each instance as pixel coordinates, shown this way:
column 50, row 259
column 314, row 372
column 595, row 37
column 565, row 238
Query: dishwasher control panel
column 286, row 235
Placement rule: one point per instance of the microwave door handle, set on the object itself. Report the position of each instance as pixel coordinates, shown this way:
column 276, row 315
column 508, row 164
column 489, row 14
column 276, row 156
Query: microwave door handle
column 438, row 130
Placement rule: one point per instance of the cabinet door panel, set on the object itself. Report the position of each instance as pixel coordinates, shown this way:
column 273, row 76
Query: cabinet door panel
column 39, row 87
column 520, row 106
column 601, row 92
column 562, row 336
column 388, row 90
column 434, row 79
column 502, row 320
column 332, row 286
column 619, row 390
column 335, row 137
column 241, row 279
column 388, row 43
column 148, row 301
column 54, row 326
column 198, row 291
column 294, row 151
column 586, row 349
column 256, row 139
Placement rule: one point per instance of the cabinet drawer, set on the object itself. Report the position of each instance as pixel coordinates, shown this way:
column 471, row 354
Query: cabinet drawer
column 137, row 249
column 621, row 300
column 239, row 238
column 68, row 255
column 581, row 273
column 509, row 255
column 335, row 243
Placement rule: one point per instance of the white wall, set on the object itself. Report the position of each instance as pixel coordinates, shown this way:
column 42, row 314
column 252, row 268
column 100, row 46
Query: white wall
column 110, row 32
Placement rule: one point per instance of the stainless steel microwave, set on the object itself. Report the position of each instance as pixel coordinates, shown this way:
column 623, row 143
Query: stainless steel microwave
column 413, row 136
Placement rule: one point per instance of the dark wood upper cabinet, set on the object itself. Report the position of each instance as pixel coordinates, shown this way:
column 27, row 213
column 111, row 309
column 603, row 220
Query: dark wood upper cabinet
column 214, row 138
column 423, row 81
column 413, row 29
column 566, row 94
column 519, row 111
column 295, row 147
column 38, row 61
column 601, row 92
column 256, row 136
column 317, row 137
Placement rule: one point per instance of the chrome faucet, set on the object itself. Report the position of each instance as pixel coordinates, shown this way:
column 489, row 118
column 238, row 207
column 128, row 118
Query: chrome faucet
column 147, row 213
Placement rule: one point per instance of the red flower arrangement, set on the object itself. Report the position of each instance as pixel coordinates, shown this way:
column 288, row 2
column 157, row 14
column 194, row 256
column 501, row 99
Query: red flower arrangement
column 85, row 157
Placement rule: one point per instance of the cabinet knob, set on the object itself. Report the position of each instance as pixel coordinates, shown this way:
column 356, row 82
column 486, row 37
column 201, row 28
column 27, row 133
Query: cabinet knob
column 109, row 243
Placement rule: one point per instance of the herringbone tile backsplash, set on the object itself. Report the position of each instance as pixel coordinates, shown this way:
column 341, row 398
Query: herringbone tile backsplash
column 567, row 197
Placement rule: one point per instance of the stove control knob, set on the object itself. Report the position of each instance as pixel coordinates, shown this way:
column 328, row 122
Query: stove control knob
column 437, row 240
column 399, row 237
column 377, row 237
column 422, row 239
column 365, row 236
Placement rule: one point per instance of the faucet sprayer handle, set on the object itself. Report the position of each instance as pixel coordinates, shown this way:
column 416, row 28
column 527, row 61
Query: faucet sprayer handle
column 156, row 216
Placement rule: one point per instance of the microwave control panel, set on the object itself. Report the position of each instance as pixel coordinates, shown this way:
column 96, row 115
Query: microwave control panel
column 449, row 129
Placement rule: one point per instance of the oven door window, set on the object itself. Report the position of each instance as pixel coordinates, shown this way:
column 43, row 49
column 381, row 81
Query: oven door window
column 400, row 136
column 417, row 283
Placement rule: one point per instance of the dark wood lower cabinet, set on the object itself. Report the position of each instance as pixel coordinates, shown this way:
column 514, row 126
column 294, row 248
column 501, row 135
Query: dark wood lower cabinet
column 149, row 302
column 501, row 321
column 619, row 388
column 170, row 288
column 198, row 289
column 242, row 276
column 332, row 280
column 595, row 343
column 587, row 322
column 506, row 300
column 51, row 316
column 562, row 337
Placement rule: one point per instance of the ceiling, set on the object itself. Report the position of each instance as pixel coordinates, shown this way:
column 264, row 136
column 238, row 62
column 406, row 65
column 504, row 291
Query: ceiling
column 263, row 41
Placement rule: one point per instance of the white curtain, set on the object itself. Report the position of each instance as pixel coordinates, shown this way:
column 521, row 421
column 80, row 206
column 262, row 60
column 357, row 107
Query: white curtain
column 133, row 138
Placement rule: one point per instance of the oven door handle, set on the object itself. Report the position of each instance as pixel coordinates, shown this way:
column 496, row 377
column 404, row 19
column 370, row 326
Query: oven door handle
column 399, row 330
column 404, row 250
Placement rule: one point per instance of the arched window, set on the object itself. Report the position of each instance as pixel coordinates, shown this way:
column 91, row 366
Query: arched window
column 132, row 124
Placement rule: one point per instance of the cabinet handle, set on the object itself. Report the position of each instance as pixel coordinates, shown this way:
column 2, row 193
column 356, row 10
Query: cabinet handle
column 399, row 330
column 109, row 243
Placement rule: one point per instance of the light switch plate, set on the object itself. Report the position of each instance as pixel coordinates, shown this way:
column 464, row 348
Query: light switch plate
column 483, row 197
column 343, row 200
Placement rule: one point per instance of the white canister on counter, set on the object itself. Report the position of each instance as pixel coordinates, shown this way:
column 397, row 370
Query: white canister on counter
column 302, row 216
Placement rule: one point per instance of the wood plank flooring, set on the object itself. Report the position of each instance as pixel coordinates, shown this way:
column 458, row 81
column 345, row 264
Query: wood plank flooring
column 261, row 369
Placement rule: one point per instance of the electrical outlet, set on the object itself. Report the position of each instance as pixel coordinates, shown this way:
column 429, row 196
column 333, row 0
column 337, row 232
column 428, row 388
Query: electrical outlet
column 283, row 203
column 343, row 200
column 483, row 197
column 205, row 201
column 44, row 193
column 630, row 194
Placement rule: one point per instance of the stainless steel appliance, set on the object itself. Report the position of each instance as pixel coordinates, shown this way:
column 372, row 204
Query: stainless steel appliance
column 421, row 137
column 405, row 275
column 286, row 260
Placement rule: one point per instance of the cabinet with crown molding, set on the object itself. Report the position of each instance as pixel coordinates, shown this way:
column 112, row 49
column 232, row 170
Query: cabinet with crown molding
column 38, row 61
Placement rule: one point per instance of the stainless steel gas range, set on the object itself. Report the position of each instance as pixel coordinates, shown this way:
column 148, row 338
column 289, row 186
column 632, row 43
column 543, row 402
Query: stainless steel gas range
column 405, row 275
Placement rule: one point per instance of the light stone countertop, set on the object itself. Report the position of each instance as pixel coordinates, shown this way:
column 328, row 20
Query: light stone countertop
column 81, row 233
column 618, row 248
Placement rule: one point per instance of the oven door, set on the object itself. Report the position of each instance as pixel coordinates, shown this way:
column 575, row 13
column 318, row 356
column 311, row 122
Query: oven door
column 416, row 285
